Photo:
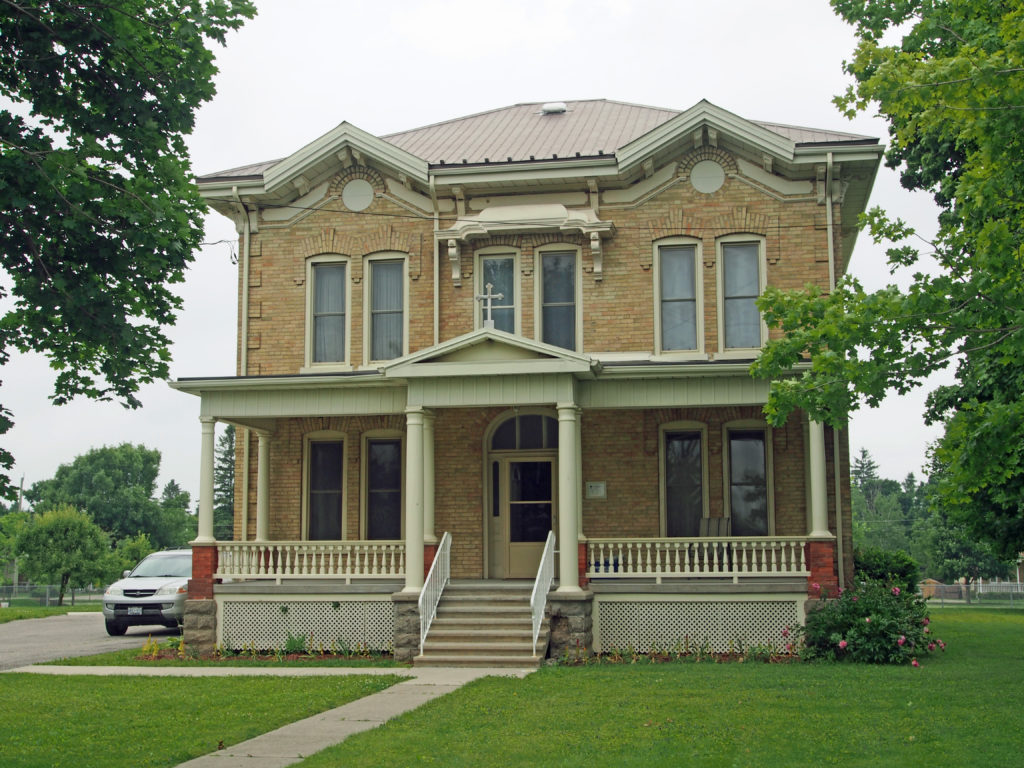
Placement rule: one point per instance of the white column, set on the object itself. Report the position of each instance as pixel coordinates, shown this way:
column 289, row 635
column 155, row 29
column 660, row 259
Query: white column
column 263, row 486
column 413, row 500
column 819, row 496
column 429, row 535
column 579, row 477
column 205, row 532
column 568, row 496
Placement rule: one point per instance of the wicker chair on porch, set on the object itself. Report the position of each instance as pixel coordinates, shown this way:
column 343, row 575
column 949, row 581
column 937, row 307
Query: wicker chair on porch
column 715, row 527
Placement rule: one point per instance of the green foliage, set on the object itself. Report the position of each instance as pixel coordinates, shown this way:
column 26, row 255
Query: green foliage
column 224, row 486
column 64, row 546
column 876, row 623
column 98, row 211
column 951, row 90
column 130, row 551
column 116, row 486
column 11, row 526
column 895, row 569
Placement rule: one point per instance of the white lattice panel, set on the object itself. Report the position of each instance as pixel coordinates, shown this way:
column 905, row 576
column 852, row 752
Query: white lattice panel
column 640, row 623
column 266, row 625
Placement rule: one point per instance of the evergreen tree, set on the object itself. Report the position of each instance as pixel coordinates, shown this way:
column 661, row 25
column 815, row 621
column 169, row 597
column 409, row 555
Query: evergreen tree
column 224, row 486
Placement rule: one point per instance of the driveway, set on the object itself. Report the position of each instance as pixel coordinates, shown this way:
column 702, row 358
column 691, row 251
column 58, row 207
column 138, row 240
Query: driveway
column 31, row 641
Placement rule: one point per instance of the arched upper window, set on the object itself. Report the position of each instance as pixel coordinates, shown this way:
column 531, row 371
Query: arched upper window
column 526, row 432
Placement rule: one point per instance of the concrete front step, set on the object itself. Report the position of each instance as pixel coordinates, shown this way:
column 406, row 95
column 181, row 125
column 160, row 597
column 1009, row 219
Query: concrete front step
column 483, row 624
column 461, row 660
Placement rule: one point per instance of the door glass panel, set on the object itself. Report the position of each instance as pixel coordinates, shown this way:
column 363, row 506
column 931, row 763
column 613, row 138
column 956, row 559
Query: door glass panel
column 530, row 500
column 748, row 493
column 325, row 470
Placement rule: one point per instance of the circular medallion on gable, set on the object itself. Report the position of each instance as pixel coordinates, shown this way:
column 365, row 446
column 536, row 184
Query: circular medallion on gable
column 357, row 195
column 707, row 176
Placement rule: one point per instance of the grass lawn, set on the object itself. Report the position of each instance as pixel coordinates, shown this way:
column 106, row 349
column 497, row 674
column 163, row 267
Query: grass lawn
column 113, row 722
column 36, row 612
column 964, row 707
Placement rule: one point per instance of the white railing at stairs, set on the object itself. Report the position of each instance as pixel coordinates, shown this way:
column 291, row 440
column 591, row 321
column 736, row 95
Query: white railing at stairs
column 437, row 579
column 539, row 596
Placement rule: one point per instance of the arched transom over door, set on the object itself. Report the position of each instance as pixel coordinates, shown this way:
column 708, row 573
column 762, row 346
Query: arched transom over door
column 523, row 471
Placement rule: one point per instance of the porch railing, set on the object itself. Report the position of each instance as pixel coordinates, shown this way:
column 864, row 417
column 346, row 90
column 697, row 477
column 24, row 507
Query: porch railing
column 437, row 579
column 280, row 560
column 539, row 596
column 735, row 557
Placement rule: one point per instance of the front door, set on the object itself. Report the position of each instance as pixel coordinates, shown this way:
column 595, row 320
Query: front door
column 523, row 514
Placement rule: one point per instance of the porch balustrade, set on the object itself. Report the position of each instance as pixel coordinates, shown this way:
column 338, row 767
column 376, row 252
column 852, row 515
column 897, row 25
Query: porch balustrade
column 280, row 560
column 725, row 557
column 541, row 586
column 433, row 586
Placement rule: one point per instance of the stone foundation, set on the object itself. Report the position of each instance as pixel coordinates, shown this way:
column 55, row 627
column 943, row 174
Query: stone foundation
column 407, row 625
column 572, row 624
column 200, row 626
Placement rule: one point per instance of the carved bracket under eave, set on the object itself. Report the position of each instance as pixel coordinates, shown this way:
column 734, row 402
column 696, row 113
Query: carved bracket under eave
column 597, row 253
column 455, row 258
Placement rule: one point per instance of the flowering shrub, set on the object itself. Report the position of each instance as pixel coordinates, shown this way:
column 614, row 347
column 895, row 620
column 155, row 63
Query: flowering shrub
column 875, row 623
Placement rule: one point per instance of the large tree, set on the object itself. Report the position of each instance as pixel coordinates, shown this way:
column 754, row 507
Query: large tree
column 224, row 486
column 116, row 486
column 64, row 546
column 98, row 212
column 952, row 92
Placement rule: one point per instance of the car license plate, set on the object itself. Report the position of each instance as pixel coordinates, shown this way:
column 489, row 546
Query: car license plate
column 134, row 610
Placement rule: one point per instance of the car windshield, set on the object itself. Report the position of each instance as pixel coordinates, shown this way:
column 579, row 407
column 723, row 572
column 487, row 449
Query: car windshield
column 165, row 565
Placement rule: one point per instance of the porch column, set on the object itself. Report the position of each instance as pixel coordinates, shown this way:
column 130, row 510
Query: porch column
column 263, row 486
column 819, row 497
column 568, row 498
column 429, row 536
column 204, row 534
column 413, row 500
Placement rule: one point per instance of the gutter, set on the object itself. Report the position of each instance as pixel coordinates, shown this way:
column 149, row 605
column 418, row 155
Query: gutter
column 243, row 354
column 837, row 475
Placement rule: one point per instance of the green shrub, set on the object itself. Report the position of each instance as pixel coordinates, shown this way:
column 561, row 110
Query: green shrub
column 876, row 623
column 895, row 568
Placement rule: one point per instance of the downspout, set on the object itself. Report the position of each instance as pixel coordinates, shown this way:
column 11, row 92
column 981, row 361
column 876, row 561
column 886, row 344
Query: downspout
column 437, row 267
column 244, row 357
column 837, row 475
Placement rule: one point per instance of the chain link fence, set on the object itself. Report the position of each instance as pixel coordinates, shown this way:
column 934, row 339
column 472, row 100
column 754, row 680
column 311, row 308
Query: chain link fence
column 13, row 595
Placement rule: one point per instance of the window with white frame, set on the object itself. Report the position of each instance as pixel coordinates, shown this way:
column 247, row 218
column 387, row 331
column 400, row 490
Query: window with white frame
column 325, row 487
column 386, row 308
column 748, row 482
column 741, row 279
column 559, row 300
column 678, row 283
column 327, row 302
column 499, row 271
column 383, row 496
column 684, row 477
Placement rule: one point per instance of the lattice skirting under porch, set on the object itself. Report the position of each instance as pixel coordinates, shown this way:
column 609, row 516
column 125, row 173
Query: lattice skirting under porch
column 267, row 624
column 642, row 621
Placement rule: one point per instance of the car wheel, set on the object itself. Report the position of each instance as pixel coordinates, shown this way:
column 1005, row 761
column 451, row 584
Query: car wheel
column 115, row 628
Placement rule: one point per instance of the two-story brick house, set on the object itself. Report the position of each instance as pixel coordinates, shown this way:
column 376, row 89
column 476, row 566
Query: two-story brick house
column 528, row 321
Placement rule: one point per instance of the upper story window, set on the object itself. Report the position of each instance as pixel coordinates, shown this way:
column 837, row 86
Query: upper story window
column 679, row 313
column 559, row 297
column 498, row 269
column 327, row 314
column 741, row 280
column 387, row 316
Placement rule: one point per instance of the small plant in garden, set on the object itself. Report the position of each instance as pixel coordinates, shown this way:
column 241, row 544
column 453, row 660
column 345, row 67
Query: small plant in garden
column 150, row 648
column 876, row 623
column 295, row 644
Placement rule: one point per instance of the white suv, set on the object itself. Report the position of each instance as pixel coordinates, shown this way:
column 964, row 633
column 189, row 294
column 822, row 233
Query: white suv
column 154, row 592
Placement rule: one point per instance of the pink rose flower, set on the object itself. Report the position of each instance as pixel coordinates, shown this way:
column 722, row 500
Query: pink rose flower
column 854, row 598
column 842, row 644
column 926, row 621
column 902, row 640
column 867, row 620
column 815, row 586
column 927, row 630
column 895, row 590
column 789, row 647
column 914, row 663
column 931, row 646
column 785, row 632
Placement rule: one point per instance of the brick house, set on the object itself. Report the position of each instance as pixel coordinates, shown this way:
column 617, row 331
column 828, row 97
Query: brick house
column 459, row 339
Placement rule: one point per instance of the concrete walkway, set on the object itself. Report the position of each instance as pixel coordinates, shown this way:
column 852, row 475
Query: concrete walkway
column 292, row 743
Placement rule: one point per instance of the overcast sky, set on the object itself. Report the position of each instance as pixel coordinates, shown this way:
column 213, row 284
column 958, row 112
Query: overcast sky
column 303, row 66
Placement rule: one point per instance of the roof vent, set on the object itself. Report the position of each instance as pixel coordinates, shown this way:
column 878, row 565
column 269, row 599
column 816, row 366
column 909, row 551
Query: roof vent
column 554, row 108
